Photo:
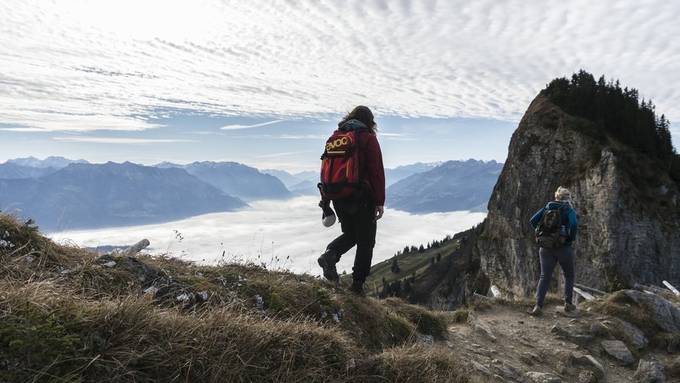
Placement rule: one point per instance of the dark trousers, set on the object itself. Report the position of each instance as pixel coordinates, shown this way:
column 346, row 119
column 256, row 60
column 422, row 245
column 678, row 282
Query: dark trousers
column 549, row 258
column 357, row 220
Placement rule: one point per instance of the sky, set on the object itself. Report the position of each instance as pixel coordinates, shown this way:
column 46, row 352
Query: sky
column 263, row 82
column 286, row 235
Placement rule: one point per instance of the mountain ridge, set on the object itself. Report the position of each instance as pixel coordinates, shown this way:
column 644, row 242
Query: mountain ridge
column 111, row 194
column 450, row 186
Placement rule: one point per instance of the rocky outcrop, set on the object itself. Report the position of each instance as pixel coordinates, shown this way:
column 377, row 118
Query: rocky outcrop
column 628, row 207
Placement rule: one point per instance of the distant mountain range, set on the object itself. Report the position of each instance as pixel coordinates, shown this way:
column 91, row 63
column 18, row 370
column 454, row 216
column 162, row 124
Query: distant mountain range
column 61, row 194
column 31, row 167
column 301, row 183
column 111, row 194
column 451, row 186
column 397, row 174
column 49, row 162
column 236, row 179
column 304, row 183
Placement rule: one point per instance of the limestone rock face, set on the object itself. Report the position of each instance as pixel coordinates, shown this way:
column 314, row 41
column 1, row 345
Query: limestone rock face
column 628, row 208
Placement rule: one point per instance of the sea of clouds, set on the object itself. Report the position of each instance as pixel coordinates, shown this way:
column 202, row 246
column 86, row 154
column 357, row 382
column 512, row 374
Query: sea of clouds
column 280, row 234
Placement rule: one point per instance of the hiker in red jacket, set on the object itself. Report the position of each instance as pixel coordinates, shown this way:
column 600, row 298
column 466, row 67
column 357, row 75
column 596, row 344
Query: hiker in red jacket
column 353, row 177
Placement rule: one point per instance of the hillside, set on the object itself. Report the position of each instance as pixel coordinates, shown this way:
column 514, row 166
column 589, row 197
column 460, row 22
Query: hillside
column 101, row 195
column 413, row 267
column 451, row 186
column 69, row 315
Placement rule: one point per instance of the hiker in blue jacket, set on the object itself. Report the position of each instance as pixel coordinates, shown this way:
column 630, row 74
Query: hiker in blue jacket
column 556, row 226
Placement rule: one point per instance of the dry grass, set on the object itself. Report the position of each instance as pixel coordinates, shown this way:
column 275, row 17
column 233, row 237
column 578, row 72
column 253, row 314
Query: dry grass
column 66, row 317
column 415, row 364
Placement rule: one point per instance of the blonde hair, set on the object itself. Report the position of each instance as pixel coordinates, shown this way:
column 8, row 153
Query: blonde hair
column 562, row 194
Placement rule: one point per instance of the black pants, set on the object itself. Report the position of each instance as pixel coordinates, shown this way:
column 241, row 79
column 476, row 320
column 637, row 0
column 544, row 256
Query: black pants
column 357, row 220
column 549, row 258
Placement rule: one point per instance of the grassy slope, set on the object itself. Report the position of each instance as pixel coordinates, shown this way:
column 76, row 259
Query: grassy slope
column 410, row 263
column 65, row 316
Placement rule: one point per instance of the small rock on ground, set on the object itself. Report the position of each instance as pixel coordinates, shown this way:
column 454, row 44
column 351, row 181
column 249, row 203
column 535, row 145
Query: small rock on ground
column 589, row 362
column 587, row 377
column 618, row 351
column 543, row 377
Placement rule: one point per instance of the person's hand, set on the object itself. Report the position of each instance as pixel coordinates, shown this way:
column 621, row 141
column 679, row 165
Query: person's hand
column 379, row 211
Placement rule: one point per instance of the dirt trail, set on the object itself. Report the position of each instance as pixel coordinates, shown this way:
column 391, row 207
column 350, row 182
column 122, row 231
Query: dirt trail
column 508, row 345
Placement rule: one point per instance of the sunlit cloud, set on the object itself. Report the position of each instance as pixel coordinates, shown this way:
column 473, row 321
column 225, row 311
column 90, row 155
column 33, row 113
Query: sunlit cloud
column 80, row 65
column 119, row 140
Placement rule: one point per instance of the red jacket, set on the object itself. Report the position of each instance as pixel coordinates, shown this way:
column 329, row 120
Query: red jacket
column 372, row 170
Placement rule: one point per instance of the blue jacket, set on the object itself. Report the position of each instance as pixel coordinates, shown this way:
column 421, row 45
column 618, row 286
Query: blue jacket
column 572, row 222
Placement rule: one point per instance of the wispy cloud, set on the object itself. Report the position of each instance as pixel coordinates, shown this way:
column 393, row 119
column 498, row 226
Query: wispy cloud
column 119, row 140
column 114, row 63
column 22, row 130
column 239, row 127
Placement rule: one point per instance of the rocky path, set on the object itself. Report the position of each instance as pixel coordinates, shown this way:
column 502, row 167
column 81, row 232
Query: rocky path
column 507, row 345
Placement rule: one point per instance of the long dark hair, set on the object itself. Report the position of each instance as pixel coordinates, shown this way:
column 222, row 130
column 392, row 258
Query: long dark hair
column 363, row 114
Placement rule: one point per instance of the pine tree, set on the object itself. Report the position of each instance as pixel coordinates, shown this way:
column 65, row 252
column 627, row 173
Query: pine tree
column 395, row 266
column 407, row 288
column 619, row 112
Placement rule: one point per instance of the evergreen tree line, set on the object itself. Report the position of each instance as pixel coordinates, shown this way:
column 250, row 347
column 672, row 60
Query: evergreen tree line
column 399, row 288
column 419, row 249
column 620, row 112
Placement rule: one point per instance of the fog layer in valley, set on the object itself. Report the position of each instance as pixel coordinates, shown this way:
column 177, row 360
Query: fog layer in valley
column 282, row 234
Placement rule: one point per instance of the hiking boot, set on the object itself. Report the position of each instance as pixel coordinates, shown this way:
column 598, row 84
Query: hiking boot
column 568, row 308
column 536, row 311
column 358, row 289
column 327, row 262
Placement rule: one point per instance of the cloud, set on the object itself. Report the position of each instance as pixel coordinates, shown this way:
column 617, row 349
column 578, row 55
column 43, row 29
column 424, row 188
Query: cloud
column 239, row 127
column 285, row 154
column 81, row 66
column 22, row 130
column 271, row 229
column 119, row 140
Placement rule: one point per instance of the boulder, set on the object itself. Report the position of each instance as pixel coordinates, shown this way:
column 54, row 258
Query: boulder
column 649, row 371
column 618, row 350
column 600, row 329
column 627, row 332
column 661, row 312
column 673, row 369
column 481, row 327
